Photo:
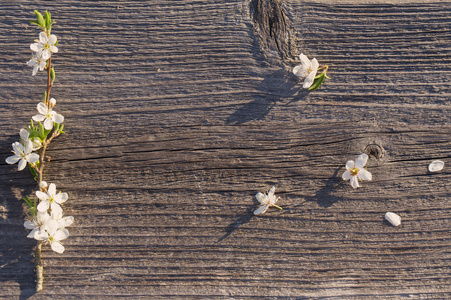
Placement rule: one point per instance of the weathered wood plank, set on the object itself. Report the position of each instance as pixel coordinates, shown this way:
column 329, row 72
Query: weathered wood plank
column 178, row 112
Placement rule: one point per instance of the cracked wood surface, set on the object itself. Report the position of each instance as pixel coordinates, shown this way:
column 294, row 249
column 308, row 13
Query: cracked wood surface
column 178, row 112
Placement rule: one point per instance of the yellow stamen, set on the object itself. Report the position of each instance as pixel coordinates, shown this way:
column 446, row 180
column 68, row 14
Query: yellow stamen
column 354, row 171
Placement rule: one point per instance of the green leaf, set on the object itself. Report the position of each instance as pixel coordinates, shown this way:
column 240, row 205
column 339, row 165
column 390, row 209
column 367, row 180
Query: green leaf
column 41, row 131
column 44, row 98
column 33, row 172
column 48, row 19
column 61, row 129
column 34, row 22
column 318, row 82
column 327, row 76
column 56, row 43
column 40, row 19
column 52, row 75
column 29, row 203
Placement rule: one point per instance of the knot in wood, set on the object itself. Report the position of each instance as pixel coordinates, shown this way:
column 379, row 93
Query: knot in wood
column 375, row 150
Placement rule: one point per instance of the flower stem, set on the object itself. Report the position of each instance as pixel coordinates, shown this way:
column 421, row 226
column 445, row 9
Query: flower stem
column 39, row 267
column 49, row 81
column 40, row 171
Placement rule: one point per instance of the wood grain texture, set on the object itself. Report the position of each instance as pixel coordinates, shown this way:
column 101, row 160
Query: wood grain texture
column 178, row 112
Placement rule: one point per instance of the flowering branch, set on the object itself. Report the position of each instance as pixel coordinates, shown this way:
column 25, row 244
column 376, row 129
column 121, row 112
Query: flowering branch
column 45, row 214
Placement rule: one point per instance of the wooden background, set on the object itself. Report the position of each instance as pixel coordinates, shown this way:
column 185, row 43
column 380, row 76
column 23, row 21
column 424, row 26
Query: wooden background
column 178, row 112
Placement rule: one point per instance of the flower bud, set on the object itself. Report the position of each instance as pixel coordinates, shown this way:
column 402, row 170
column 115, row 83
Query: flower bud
column 52, row 103
column 43, row 185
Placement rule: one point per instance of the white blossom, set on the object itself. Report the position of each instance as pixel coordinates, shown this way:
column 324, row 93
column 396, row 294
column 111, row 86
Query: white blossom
column 48, row 115
column 51, row 200
column 25, row 136
column 266, row 201
column 37, row 62
column 355, row 171
column 307, row 69
column 37, row 224
column 53, row 234
column 22, row 154
column 45, row 46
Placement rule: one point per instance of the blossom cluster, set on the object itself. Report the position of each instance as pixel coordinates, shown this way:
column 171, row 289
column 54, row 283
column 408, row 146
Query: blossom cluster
column 45, row 214
column 48, row 224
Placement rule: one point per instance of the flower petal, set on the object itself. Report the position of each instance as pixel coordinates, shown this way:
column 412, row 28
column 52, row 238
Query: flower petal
column 29, row 225
column 51, row 227
column 271, row 192
column 61, row 234
column 53, row 49
column 304, row 60
column 61, row 197
column 32, row 234
column 57, row 118
column 42, row 196
column 262, row 198
column 22, row 164
column 35, row 47
column 43, row 206
column 364, row 175
column 38, row 118
column 24, row 134
column 57, row 247
column 51, row 190
column 42, row 108
column 361, row 160
column 300, row 70
column 12, row 159
column 350, row 165
column 41, row 235
column 314, row 65
column 48, row 124
column 52, row 39
column 32, row 158
column 28, row 147
column 42, row 37
column 346, row 175
column 261, row 210
column 66, row 221
column 354, row 182
column 309, row 80
column 35, row 70
column 436, row 165
column 57, row 213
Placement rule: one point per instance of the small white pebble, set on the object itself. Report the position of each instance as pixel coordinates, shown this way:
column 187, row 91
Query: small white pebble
column 393, row 218
column 436, row 166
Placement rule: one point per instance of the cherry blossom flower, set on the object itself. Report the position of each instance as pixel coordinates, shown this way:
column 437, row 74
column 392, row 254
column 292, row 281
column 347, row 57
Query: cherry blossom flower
column 25, row 136
column 51, row 199
column 307, row 69
column 266, row 201
column 37, row 224
column 53, row 234
column 37, row 62
column 23, row 155
column 355, row 171
column 45, row 46
column 48, row 115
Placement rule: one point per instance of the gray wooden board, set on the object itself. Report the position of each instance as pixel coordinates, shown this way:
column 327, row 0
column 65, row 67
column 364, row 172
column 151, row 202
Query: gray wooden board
column 179, row 112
